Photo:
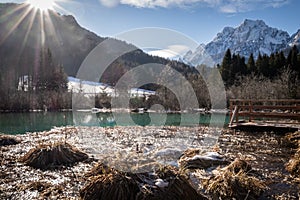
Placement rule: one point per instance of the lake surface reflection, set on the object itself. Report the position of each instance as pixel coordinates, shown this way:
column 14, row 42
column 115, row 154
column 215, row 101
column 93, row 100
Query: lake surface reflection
column 19, row 123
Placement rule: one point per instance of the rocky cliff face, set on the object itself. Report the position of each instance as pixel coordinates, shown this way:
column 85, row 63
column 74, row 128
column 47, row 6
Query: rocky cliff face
column 252, row 36
column 295, row 39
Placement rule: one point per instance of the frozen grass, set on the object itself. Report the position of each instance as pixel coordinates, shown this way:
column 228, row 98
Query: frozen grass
column 166, row 183
column 6, row 140
column 293, row 166
column 51, row 156
column 233, row 181
column 152, row 147
column 292, row 140
column 113, row 185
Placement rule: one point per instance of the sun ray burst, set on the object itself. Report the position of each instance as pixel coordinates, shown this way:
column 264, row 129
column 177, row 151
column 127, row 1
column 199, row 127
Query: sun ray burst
column 15, row 26
column 6, row 16
column 33, row 21
column 24, row 42
column 42, row 5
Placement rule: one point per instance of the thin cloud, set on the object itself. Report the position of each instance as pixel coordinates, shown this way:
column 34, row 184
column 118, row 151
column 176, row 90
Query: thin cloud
column 237, row 6
column 109, row 3
column 228, row 9
column 171, row 51
column 166, row 3
column 225, row 6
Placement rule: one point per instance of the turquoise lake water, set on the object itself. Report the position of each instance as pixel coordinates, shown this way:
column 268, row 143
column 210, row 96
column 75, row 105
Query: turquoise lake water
column 19, row 123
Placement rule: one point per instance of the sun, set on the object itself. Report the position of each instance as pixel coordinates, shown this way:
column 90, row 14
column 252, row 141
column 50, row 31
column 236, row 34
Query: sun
column 42, row 5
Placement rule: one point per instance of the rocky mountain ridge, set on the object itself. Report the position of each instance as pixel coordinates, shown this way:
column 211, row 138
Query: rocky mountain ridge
column 252, row 36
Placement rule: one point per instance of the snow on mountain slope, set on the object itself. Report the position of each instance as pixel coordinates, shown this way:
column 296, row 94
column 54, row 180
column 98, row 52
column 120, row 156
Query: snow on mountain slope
column 295, row 39
column 198, row 57
column 252, row 36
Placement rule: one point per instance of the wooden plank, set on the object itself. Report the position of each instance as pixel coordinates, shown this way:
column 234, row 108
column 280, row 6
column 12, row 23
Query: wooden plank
column 266, row 100
column 279, row 107
column 270, row 115
column 266, row 127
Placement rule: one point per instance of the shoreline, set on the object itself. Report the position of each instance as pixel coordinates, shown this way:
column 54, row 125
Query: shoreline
column 122, row 110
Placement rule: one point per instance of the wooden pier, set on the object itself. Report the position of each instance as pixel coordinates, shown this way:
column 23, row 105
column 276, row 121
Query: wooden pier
column 265, row 114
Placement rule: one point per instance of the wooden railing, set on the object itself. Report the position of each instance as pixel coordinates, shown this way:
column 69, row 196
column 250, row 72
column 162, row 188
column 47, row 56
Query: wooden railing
column 263, row 109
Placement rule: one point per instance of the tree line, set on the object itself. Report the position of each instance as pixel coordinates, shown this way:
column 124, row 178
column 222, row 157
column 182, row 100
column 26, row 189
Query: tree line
column 267, row 76
column 43, row 86
column 275, row 76
column 269, row 66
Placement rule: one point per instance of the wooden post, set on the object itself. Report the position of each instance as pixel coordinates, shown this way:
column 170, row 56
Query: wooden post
column 235, row 112
column 250, row 109
column 231, row 108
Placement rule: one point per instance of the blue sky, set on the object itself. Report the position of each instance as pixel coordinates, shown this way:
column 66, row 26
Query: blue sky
column 199, row 19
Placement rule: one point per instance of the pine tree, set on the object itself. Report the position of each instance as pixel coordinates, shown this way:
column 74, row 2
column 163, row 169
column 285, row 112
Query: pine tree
column 293, row 60
column 58, row 80
column 272, row 65
column 51, row 77
column 225, row 69
column 242, row 65
column 259, row 63
column 281, row 61
column 292, row 57
column 265, row 69
column 262, row 64
column 251, row 68
column 45, row 70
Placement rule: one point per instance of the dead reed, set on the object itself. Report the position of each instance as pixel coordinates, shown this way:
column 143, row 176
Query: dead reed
column 6, row 140
column 51, row 156
column 233, row 181
column 165, row 184
column 293, row 166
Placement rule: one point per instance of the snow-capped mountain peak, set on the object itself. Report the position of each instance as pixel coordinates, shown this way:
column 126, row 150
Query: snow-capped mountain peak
column 295, row 39
column 199, row 56
column 251, row 36
column 254, row 23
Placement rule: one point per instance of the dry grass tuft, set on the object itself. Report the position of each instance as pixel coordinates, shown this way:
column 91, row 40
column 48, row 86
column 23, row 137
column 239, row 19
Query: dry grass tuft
column 239, row 165
column 52, row 192
column 107, row 183
column 234, row 182
column 38, row 185
column 99, row 169
column 114, row 185
column 178, row 187
column 292, row 140
column 6, row 140
column 45, row 189
column 166, row 172
column 293, row 166
column 191, row 152
column 52, row 156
